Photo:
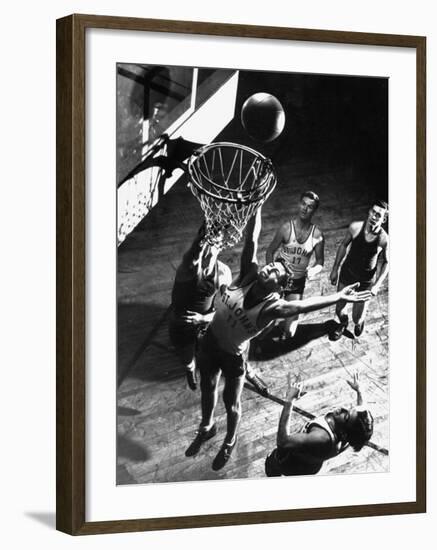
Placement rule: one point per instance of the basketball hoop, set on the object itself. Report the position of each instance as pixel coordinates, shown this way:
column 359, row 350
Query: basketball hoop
column 231, row 182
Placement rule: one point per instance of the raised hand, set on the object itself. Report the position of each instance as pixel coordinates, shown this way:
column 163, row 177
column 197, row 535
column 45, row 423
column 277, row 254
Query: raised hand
column 294, row 389
column 355, row 385
column 355, row 382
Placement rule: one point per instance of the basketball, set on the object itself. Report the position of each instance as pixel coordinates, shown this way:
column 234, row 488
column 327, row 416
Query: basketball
column 263, row 117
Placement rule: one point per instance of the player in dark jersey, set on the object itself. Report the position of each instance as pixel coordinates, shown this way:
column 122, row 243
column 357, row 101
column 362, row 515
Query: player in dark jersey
column 243, row 310
column 305, row 451
column 197, row 280
column 366, row 240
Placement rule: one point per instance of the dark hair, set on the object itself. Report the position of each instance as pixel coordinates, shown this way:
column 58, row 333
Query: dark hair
column 313, row 196
column 380, row 203
column 361, row 431
column 288, row 277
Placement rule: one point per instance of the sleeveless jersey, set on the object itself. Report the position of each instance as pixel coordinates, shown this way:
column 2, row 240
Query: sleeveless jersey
column 234, row 326
column 362, row 257
column 321, row 422
column 195, row 294
column 286, row 463
column 296, row 254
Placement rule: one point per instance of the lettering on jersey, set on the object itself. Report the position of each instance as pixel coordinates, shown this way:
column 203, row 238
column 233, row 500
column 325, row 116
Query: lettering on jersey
column 238, row 315
column 296, row 251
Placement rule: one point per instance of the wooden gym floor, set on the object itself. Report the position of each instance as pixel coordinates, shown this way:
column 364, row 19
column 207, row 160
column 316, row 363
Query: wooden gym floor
column 158, row 415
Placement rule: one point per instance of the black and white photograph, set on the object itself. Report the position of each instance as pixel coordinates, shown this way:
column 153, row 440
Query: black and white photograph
column 252, row 274
column 218, row 325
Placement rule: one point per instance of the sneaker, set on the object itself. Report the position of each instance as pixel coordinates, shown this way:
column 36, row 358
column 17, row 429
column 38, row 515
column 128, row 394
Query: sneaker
column 201, row 437
column 358, row 330
column 257, row 383
column 191, row 378
column 223, row 455
column 338, row 332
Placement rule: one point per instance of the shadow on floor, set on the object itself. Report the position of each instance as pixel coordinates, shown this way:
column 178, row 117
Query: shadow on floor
column 123, row 476
column 126, row 411
column 137, row 325
column 131, row 450
column 272, row 347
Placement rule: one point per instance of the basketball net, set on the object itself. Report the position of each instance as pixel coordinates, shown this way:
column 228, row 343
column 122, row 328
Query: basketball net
column 231, row 182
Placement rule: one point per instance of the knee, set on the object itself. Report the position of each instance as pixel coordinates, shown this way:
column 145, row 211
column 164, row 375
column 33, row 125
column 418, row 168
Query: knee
column 233, row 409
column 207, row 384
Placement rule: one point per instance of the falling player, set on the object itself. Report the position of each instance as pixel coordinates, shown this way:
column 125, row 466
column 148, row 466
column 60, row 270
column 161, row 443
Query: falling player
column 296, row 241
column 366, row 240
column 244, row 309
column 324, row 437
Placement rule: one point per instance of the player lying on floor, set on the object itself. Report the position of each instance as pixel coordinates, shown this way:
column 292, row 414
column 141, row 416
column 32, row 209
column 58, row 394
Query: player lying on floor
column 324, row 437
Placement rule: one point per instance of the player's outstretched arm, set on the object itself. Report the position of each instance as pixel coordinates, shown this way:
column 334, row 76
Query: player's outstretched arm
column 281, row 309
column 293, row 393
column 224, row 274
column 278, row 239
column 193, row 254
column 249, row 261
column 355, row 385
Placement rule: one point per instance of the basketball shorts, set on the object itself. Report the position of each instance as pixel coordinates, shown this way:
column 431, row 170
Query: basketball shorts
column 211, row 359
column 281, row 462
column 297, row 286
column 349, row 277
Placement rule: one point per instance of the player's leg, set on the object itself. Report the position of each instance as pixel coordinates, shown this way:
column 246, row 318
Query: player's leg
column 234, row 369
column 186, row 354
column 340, row 311
column 184, row 341
column 209, row 380
column 232, row 400
column 293, row 293
column 359, row 310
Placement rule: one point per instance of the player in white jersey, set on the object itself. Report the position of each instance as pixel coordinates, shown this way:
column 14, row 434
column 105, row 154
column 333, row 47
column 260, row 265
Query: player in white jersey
column 295, row 242
column 243, row 310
